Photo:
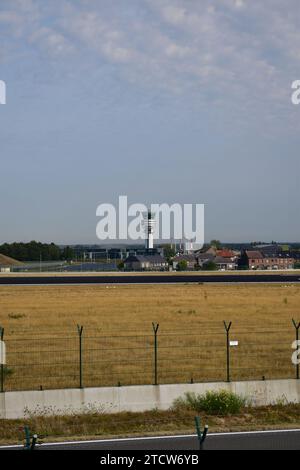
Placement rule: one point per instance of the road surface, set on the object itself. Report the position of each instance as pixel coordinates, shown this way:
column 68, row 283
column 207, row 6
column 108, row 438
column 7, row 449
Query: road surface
column 150, row 279
column 256, row 440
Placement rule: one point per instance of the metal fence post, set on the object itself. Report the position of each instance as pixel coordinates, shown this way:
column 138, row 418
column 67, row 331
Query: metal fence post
column 297, row 326
column 155, row 330
column 227, row 329
column 80, row 331
column 2, row 365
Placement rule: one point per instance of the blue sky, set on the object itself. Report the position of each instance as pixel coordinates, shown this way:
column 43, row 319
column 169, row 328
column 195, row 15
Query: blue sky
column 160, row 100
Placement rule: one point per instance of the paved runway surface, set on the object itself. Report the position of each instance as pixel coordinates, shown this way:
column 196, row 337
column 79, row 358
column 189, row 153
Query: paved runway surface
column 150, row 279
column 266, row 440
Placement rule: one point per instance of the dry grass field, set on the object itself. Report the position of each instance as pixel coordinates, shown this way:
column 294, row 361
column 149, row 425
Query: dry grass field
column 118, row 345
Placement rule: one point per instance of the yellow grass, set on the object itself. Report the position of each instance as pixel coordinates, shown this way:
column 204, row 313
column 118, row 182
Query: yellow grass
column 42, row 341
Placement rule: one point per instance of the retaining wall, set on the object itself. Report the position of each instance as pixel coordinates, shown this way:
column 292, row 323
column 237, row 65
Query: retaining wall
column 15, row 405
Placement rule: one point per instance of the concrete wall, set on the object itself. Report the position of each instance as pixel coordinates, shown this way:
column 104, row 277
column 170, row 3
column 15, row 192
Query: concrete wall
column 136, row 398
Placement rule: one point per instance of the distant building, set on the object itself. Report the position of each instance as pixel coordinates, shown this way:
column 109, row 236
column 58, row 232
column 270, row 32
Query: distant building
column 281, row 261
column 252, row 259
column 210, row 251
column 226, row 253
column 203, row 258
column 272, row 249
column 145, row 263
column 255, row 259
column 225, row 264
column 295, row 255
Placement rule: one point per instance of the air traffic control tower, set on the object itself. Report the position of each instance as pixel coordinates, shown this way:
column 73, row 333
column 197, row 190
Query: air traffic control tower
column 149, row 225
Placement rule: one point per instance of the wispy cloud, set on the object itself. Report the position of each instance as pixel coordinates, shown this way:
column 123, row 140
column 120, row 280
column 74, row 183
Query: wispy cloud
column 224, row 51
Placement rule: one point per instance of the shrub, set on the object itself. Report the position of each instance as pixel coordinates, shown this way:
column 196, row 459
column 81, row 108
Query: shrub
column 16, row 316
column 182, row 265
column 217, row 403
column 210, row 266
column 7, row 371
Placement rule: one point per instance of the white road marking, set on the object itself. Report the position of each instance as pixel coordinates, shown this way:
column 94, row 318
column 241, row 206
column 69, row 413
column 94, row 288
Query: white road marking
column 149, row 438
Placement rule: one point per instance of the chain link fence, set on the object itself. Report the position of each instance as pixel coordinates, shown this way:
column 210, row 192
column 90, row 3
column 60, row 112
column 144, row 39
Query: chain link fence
column 85, row 357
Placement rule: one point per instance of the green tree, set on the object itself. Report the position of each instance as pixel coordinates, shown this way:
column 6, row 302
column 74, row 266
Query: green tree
column 210, row 266
column 67, row 253
column 169, row 252
column 182, row 265
column 120, row 265
column 32, row 251
column 216, row 244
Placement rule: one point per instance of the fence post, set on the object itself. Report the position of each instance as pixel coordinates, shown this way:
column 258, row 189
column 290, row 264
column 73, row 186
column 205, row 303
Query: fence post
column 80, row 331
column 297, row 326
column 227, row 329
column 2, row 365
column 155, row 330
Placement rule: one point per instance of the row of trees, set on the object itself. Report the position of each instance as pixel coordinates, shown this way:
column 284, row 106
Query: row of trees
column 36, row 251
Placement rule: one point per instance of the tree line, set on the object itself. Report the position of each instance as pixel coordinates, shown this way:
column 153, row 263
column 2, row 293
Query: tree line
column 36, row 251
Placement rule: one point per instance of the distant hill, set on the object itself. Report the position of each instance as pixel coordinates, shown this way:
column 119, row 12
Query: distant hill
column 7, row 261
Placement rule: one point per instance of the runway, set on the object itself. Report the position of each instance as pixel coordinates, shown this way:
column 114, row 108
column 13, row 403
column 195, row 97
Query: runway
column 149, row 279
column 256, row 440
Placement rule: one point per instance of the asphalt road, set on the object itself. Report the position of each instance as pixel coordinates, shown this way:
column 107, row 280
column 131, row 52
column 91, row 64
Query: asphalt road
column 261, row 440
column 150, row 279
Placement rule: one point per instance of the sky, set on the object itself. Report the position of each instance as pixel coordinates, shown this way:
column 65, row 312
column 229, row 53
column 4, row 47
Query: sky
column 160, row 100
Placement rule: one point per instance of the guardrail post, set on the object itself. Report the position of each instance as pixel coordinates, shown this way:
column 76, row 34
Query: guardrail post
column 80, row 331
column 27, row 443
column 31, row 440
column 227, row 329
column 155, row 330
column 2, row 365
column 297, row 326
column 201, row 435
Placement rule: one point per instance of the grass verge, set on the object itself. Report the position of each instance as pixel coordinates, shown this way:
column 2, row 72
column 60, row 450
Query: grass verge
column 173, row 421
